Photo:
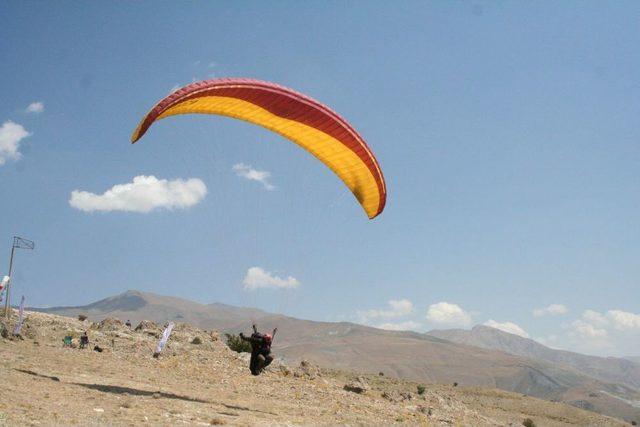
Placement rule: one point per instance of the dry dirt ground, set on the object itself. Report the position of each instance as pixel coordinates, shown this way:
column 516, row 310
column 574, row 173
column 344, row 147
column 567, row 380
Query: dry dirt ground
column 208, row 384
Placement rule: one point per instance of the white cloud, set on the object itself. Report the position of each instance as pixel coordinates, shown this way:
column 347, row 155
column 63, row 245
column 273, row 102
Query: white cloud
column 397, row 308
column 509, row 327
column 616, row 319
column 623, row 320
column 590, row 333
column 614, row 331
column 246, row 171
column 257, row 278
column 35, row 107
column 551, row 310
column 587, row 330
column 448, row 314
column 11, row 134
column 595, row 318
column 143, row 194
column 401, row 306
column 409, row 325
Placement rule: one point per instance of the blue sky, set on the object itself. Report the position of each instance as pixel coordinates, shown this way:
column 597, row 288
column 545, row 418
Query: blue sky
column 508, row 134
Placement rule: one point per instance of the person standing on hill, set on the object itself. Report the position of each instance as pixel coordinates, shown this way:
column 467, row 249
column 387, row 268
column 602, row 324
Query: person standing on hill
column 84, row 340
column 260, row 350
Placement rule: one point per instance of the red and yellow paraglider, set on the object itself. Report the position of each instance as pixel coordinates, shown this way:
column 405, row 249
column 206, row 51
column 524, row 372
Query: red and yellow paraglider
column 308, row 123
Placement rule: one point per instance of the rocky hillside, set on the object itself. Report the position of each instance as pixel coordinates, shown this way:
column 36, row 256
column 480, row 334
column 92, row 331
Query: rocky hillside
column 198, row 380
column 408, row 355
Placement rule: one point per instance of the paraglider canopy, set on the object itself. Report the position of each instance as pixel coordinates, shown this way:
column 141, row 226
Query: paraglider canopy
column 299, row 118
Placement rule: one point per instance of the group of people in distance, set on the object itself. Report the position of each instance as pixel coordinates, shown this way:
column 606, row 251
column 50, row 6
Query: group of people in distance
column 84, row 340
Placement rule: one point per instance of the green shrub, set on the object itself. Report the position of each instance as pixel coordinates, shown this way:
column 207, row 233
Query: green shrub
column 4, row 332
column 528, row 422
column 196, row 341
column 421, row 389
column 237, row 344
column 82, row 317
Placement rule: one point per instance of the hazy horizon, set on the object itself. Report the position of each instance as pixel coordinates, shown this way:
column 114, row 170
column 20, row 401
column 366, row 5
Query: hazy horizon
column 205, row 303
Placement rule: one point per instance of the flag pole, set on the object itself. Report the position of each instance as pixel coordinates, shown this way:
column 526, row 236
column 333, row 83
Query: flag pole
column 18, row 243
column 6, row 301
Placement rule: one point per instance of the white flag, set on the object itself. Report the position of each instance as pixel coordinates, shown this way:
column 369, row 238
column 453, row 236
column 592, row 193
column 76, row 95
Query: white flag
column 16, row 331
column 3, row 285
column 165, row 337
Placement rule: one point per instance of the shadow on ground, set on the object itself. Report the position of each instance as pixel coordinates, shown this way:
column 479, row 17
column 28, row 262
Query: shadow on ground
column 146, row 393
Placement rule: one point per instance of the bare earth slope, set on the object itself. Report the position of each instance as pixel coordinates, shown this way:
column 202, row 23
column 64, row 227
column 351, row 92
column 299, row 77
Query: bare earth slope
column 408, row 355
column 206, row 383
column 414, row 356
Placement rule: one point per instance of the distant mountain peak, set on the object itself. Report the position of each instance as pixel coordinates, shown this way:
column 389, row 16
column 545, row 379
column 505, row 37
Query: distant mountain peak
column 500, row 332
column 131, row 292
column 127, row 301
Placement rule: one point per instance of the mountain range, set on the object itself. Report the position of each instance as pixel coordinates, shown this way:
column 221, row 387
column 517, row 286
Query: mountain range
column 608, row 369
column 482, row 356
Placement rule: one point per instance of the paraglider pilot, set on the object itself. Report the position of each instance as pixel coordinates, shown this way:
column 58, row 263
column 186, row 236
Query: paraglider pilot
column 260, row 349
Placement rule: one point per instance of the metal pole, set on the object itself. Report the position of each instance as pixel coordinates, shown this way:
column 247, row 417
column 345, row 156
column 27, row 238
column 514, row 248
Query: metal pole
column 6, row 302
column 18, row 243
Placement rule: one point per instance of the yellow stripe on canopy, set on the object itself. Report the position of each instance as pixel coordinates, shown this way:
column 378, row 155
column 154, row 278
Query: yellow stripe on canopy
column 339, row 158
